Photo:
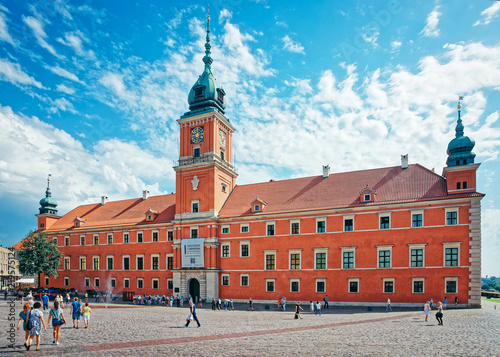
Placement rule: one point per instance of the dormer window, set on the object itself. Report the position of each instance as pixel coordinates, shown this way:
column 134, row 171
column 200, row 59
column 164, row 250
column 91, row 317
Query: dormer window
column 198, row 92
column 77, row 222
column 151, row 215
column 221, row 96
column 258, row 205
column 367, row 195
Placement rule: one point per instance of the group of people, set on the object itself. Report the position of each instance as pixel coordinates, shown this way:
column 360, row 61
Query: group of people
column 160, row 300
column 33, row 319
column 428, row 306
column 218, row 304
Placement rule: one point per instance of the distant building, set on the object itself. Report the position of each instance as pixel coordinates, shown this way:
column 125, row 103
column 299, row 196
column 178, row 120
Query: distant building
column 9, row 268
column 402, row 232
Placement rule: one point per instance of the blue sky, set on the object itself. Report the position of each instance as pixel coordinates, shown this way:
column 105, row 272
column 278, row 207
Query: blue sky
column 90, row 91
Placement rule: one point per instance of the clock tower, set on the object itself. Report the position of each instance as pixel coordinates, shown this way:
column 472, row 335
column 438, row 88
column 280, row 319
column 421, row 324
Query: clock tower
column 205, row 176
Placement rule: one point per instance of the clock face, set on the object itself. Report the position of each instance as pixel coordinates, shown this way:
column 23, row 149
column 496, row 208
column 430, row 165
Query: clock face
column 222, row 138
column 197, row 135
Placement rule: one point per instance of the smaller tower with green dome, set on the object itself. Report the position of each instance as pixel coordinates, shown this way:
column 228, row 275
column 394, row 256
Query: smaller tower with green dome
column 48, row 209
column 460, row 149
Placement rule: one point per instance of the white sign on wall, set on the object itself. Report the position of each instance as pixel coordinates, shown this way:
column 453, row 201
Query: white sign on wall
column 193, row 253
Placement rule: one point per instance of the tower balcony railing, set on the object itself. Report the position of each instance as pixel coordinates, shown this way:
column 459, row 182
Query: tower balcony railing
column 210, row 156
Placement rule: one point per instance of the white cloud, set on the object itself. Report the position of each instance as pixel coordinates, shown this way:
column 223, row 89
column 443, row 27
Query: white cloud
column 63, row 9
column 64, row 89
column 225, row 15
column 61, row 104
column 291, row 46
column 12, row 72
column 370, row 35
column 75, row 41
column 431, row 26
column 489, row 14
column 63, row 73
column 30, row 149
column 395, row 45
column 4, row 30
column 37, row 27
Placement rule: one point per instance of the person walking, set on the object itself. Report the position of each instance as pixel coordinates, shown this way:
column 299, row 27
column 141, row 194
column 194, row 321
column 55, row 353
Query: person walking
column 250, row 305
column 297, row 310
column 445, row 301
column 23, row 315
column 388, row 308
column 45, row 302
column 35, row 321
column 86, row 297
column 430, row 303
column 311, row 306
column 76, row 310
column 192, row 311
column 326, row 301
column 427, row 310
column 5, row 293
column 86, row 314
column 318, row 308
column 456, row 302
column 58, row 319
column 284, row 303
column 439, row 313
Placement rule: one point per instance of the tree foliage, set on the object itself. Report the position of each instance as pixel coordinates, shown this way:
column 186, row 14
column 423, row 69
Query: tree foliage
column 39, row 256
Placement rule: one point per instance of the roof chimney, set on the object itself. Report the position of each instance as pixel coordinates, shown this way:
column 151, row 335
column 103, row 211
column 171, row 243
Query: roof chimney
column 326, row 171
column 145, row 194
column 404, row 161
column 104, row 199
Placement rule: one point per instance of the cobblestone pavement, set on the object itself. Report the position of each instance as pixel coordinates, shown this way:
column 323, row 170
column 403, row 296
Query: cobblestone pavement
column 338, row 332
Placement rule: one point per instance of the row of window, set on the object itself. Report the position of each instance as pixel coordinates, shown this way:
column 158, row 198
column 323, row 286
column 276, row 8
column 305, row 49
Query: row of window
column 451, row 256
column 139, row 238
column 353, row 286
column 110, row 262
column 348, row 225
column 96, row 283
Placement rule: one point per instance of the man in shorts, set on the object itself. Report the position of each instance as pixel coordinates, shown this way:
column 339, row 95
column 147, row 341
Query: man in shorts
column 76, row 310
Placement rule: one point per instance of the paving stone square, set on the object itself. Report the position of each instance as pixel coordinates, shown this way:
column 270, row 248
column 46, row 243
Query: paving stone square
column 157, row 330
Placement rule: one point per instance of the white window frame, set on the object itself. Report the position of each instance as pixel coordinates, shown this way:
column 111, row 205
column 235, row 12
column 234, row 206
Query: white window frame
column 451, row 245
column 93, row 239
column 153, row 283
column 411, row 218
column 86, row 281
column 320, row 280
column 241, row 280
column 97, row 279
column 222, row 276
column 125, row 285
column 141, row 233
column 191, row 229
column 197, row 146
column 67, row 259
column 413, row 280
column 66, row 281
column 195, row 202
column 111, row 283
column 128, row 239
column 321, row 250
column 99, row 262
column 243, row 242
column 82, row 239
column 383, row 215
column 142, row 281
column 451, row 209
column 157, row 236
column 270, row 252
column 170, row 230
column 222, row 228
column 294, row 280
column 354, row 280
column 384, row 247
column 137, row 256
column 294, row 251
column 346, row 250
column 244, row 225
column 169, row 255
column 416, row 246
column 155, row 255
column 450, row 278
column 123, row 262
column 393, row 280
column 170, row 282
column 323, row 219
column 274, row 285
column 67, row 240
column 267, row 228
column 225, row 244
column 84, row 257
column 108, row 237
column 344, row 218
column 291, row 223
column 112, row 257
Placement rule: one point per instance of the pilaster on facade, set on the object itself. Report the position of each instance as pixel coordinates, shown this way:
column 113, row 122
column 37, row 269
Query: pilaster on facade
column 475, row 254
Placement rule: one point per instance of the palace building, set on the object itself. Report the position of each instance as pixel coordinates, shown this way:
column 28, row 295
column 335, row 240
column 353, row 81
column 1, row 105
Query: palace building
column 403, row 232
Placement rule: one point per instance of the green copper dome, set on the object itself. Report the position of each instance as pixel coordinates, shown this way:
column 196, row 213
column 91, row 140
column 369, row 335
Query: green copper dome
column 460, row 149
column 48, row 204
column 206, row 93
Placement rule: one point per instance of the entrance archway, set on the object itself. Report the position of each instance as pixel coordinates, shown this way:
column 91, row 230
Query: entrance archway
column 194, row 289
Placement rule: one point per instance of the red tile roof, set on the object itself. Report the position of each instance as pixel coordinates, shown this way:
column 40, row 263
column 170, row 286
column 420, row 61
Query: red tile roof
column 126, row 212
column 341, row 190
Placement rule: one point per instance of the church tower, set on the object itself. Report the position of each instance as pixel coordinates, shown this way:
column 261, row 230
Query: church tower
column 48, row 210
column 205, row 176
column 460, row 172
